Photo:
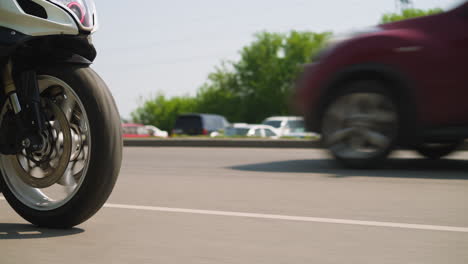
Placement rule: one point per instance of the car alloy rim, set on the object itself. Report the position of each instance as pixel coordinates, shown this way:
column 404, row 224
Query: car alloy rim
column 360, row 125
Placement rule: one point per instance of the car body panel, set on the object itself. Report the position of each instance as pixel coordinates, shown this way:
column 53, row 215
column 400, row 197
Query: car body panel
column 425, row 58
column 130, row 130
column 252, row 130
column 156, row 132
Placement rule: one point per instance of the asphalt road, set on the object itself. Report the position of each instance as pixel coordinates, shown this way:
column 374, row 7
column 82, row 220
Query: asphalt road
column 212, row 205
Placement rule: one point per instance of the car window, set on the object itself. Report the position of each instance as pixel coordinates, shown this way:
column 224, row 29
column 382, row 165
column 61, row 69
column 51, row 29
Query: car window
column 188, row 122
column 296, row 125
column 225, row 122
column 216, row 123
column 208, row 123
column 213, row 122
column 219, row 123
column 258, row 132
column 273, row 123
column 151, row 131
column 142, row 131
column 129, row 130
column 269, row 133
column 135, row 130
column 236, row 131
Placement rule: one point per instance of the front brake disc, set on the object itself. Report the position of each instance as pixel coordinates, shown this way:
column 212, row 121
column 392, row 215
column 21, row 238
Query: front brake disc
column 51, row 173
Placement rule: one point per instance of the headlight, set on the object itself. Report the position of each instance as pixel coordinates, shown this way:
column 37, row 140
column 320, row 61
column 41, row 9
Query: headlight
column 84, row 11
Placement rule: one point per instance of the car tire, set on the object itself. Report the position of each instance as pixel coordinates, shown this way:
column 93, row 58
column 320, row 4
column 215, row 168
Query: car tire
column 437, row 150
column 360, row 124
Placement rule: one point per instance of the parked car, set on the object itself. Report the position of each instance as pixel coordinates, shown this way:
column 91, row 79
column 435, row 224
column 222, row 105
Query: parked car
column 403, row 83
column 199, row 124
column 131, row 130
column 156, row 132
column 288, row 126
column 251, row 130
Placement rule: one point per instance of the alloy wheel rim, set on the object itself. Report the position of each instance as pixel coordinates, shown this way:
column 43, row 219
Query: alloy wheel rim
column 74, row 145
column 360, row 125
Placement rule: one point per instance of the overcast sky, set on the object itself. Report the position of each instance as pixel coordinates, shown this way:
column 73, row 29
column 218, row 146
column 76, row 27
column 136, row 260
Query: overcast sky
column 150, row 46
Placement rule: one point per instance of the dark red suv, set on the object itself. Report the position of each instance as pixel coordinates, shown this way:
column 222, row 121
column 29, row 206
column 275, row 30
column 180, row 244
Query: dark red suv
column 403, row 83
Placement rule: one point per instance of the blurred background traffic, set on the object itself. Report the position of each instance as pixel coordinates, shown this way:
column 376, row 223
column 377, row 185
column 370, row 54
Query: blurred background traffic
column 216, row 126
column 245, row 89
column 242, row 67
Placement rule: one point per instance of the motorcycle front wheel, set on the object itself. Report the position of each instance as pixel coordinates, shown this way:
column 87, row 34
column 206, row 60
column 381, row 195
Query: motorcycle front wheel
column 71, row 177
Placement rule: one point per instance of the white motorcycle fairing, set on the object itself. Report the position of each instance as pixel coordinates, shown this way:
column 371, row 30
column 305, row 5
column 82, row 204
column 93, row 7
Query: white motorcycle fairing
column 58, row 22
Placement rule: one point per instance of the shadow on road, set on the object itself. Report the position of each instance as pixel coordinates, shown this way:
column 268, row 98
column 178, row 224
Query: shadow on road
column 24, row 231
column 399, row 168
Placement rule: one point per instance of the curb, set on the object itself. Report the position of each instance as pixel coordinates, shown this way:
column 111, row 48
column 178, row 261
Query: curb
column 230, row 143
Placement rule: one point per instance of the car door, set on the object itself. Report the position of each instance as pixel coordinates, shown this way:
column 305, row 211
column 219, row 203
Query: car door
column 458, row 49
column 448, row 75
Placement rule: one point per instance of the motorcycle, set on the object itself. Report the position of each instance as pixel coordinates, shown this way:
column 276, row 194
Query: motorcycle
column 60, row 131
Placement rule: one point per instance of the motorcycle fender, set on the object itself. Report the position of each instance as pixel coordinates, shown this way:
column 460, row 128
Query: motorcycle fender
column 74, row 59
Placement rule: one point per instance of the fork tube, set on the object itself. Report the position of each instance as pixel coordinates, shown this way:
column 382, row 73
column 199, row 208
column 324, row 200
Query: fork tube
column 10, row 88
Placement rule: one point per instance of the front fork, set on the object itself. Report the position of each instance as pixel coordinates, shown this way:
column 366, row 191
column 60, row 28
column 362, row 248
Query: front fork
column 10, row 88
column 29, row 118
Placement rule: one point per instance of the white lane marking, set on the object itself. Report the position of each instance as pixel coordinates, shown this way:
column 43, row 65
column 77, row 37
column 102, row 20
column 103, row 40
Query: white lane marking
column 292, row 218
column 289, row 217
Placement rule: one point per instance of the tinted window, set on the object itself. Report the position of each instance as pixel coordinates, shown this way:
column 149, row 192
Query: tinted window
column 208, row 122
column 142, row 131
column 296, row 125
column 225, row 122
column 269, row 133
column 213, row 123
column 258, row 132
column 216, row 123
column 129, row 130
column 236, row 131
column 135, row 130
column 188, row 122
column 273, row 123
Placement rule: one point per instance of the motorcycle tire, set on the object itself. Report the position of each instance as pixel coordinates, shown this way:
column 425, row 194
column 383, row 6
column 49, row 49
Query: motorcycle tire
column 103, row 161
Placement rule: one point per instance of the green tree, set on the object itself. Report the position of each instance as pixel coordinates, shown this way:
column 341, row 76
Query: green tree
column 162, row 112
column 408, row 13
column 255, row 87
column 216, row 95
column 260, row 83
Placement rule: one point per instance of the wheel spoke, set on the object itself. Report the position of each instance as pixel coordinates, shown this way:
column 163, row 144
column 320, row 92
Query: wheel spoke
column 340, row 135
column 341, row 107
column 374, row 138
column 48, row 179
column 68, row 106
column 360, row 125
column 67, row 178
column 384, row 117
